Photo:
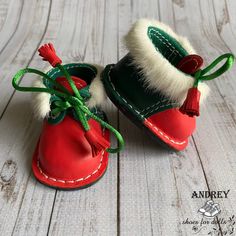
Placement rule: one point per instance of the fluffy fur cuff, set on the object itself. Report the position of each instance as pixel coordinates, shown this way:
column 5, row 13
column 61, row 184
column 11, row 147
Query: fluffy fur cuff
column 158, row 73
column 41, row 101
column 96, row 89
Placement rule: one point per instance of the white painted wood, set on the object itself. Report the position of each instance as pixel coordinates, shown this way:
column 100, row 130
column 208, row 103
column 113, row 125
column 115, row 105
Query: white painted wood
column 10, row 18
column 19, row 133
column 155, row 185
column 3, row 12
column 22, row 44
column 216, row 134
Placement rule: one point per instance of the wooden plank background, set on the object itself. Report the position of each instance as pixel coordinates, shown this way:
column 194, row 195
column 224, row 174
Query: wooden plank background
column 146, row 190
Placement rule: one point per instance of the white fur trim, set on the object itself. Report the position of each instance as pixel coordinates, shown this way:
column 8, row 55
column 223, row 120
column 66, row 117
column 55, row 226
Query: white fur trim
column 96, row 89
column 41, row 101
column 159, row 73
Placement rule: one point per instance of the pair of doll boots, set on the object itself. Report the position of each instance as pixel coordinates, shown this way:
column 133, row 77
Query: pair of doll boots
column 159, row 85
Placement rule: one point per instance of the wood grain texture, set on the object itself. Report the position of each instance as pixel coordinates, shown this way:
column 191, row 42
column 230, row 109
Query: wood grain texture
column 156, row 185
column 17, row 122
column 3, row 12
column 217, row 147
column 146, row 189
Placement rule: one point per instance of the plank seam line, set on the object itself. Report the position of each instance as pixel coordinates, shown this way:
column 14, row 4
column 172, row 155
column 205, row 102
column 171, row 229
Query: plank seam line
column 15, row 30
column 153, row 105
column 46, row 26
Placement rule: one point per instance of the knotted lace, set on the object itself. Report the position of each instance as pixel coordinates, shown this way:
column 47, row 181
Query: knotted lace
column 74, row 101
column 201, row 75
column 190, row 106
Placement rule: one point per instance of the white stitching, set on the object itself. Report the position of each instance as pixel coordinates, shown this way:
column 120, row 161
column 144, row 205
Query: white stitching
column 122, row 97
column 156, row 109
column 159, row 131
column 101, row 160
column 95, row 172
column 167, row 42
column 70, row 181
column 154, row 105
column 147, row 108
column 163, row 134
column 170, row 55
column 78, row 83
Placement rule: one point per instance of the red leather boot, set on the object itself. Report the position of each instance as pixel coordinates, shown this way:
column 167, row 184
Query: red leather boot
column 72, row 151
column 159, row 85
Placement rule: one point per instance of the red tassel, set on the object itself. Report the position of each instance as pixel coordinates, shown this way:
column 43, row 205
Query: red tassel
column 48, row 53
column 190, row 106
column 97, row 141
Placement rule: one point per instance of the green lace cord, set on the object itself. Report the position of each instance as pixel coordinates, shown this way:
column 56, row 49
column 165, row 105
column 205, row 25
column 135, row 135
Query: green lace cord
column 70, row 101
column 201, row 75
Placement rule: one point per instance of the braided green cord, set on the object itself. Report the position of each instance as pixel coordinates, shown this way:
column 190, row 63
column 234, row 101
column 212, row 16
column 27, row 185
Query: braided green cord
column 201, row 75
column 76, row 101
